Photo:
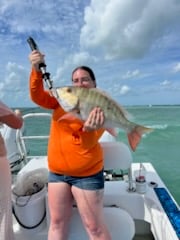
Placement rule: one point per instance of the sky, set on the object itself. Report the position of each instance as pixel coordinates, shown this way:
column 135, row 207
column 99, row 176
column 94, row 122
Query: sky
column 133, row 47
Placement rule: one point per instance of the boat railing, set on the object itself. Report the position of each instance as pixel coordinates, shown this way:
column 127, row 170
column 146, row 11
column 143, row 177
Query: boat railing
column 21, row 137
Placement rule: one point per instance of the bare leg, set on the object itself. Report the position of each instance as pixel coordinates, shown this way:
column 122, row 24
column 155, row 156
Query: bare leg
column 6, row 230
column 90, row 205
column 60, row 205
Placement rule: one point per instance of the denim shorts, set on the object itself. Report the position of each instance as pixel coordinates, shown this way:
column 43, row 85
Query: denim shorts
column 93, row 182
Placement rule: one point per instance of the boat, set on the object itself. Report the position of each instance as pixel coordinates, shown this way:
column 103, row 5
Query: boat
column 137, row 203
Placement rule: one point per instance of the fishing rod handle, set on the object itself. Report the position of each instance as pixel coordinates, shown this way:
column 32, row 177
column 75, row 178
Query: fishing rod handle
column 32, row 44
column 42, row 66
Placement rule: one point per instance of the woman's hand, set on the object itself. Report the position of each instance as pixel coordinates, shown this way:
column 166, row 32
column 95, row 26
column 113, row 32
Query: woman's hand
column 36, row 57
column 95, row 120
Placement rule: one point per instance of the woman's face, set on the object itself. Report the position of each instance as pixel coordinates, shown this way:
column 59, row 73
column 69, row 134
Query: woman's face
column 81, row 78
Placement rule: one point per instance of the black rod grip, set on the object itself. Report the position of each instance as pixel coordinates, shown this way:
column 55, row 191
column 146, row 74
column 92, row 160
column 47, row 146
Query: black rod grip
column 32, row 44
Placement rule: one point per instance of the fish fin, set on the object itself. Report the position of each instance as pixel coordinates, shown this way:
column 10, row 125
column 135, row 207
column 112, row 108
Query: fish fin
column 112, row 131
column 135, row 135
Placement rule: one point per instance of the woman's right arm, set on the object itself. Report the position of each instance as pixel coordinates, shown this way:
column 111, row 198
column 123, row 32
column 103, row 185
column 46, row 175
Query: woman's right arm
column 38, row 94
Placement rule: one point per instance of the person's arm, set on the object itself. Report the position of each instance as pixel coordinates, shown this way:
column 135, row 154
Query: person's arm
column 2, row 147
column 10, row 118
column 38, row 94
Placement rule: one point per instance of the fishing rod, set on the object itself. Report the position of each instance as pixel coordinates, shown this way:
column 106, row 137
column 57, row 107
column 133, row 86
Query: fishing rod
column 42, row 66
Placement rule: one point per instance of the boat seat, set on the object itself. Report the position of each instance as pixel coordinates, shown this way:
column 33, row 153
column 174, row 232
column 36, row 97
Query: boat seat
column 119, row 223
column 116, row 155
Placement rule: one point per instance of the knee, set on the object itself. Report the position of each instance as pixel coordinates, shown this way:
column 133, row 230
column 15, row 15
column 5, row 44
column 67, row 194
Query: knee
column 94, row 229
column 58, row 222
column 58, row 229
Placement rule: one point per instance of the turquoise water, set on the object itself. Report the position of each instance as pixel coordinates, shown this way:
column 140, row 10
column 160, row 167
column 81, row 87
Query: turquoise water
column 160, row 147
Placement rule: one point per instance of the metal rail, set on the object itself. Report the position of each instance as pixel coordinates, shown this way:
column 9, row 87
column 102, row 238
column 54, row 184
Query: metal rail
column 20, row 137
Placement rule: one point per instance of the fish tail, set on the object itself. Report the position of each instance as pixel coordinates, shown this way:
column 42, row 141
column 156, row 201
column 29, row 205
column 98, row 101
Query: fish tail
column 135, row 135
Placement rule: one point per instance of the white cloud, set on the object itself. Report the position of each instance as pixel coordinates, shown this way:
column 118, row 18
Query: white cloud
column 56, row 20
column 165, row 83
column 124, row 90
column 91, row 33
column 14, row 86
column 131, row 74
column 71, row 62
column 176, row 68
column 127, row 29
column 172, row 86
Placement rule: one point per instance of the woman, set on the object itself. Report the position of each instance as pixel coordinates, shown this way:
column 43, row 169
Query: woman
column 75, row 158
column 13, row 120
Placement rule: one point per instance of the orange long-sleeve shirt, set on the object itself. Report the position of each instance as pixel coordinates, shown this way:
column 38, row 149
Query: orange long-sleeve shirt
column 71, row 151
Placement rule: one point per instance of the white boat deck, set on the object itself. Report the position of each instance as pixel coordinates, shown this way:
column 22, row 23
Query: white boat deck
column 131, row 205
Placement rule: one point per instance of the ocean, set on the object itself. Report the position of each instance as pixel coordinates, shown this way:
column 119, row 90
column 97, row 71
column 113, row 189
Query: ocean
column 161, row 147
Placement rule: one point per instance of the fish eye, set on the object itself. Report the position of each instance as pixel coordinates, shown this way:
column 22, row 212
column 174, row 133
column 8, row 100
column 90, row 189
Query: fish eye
column 69, row 90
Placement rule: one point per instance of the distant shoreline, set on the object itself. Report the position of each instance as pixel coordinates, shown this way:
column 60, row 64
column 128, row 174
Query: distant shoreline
column 145, row 105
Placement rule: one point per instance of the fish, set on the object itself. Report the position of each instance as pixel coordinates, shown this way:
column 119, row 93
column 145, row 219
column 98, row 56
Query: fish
column 81, row 101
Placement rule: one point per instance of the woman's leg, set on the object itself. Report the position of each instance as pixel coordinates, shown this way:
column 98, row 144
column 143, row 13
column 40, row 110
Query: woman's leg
column 90, row 205
column 60, row 206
